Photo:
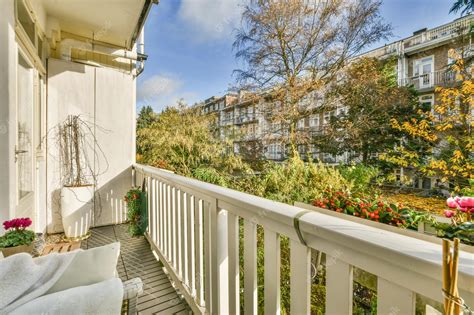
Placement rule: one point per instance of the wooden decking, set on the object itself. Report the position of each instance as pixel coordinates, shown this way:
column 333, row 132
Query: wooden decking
column 137, row 260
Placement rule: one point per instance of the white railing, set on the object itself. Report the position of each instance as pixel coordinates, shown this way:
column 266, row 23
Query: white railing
column 431, row 79
column 441, row 33
column 194, row 229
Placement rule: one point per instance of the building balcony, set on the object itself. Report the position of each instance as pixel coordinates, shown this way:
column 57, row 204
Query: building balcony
column 430, row 80
column 245, row 119
column 199, row 232
column 438, row 35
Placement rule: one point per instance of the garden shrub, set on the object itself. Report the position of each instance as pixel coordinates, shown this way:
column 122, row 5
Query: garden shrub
column 362, row 177
column 210, row 175
column 137, row 211
column 296, row 180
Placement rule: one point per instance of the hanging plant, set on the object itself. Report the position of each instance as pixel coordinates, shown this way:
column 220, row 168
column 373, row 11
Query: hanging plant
column 137, row 211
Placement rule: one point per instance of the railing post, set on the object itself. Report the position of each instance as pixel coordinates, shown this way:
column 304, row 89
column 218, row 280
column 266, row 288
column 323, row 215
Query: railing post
column 339, row 283
column 272, row 272
column 234, row 269
column 300, row 278
column 250, row 267
column 198, row 238
column 394, row 299
column 222, row 262
column 211, row 267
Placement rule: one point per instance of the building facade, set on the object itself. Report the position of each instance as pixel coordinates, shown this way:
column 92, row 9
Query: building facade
column 422, row 61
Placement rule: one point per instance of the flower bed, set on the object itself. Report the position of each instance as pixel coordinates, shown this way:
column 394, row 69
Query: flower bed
column 374, row 209
column 400, row 215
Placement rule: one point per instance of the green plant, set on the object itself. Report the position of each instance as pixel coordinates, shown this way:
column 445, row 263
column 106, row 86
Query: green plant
column 296, row 180
column 17, row 234
column 137, row 211
column 463, row 231
column 210, row 175
column 361, row 176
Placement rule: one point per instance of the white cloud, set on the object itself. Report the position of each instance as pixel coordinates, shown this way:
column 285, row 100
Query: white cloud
column 160, row 91
column 211, row 19
column 157, row 86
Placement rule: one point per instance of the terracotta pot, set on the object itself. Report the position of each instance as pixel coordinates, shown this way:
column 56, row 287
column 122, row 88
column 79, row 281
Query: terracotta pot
column 8, row 251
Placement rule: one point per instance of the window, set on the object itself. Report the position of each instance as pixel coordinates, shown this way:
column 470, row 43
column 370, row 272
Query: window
column 236, row 148
column 314, row 121
column 342, row 110
column 327, row 117
column 274, row 151
column 26, row 21
column 427, row 100
column 301, row 149
column 300, row 124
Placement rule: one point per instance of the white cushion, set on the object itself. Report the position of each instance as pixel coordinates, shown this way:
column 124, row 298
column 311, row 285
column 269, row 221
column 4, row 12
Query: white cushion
column 88, row 267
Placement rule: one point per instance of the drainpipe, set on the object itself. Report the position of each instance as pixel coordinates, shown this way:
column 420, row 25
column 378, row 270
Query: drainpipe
column 141, row 52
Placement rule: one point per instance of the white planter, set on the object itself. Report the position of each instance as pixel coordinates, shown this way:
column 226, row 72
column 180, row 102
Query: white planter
column 77, row 210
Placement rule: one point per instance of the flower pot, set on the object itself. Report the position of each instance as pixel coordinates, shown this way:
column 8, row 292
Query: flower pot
column 8, row 251
column 77, row 210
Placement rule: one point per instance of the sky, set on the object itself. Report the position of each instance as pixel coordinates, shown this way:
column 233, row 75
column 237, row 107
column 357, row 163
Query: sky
column 189, row 45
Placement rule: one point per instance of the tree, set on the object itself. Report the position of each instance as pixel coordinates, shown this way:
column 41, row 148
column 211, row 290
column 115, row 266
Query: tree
column 365, row 100
column 290, row 48
column 146, row 117
column 180, row 140
column 447, row 128
column 465, row 6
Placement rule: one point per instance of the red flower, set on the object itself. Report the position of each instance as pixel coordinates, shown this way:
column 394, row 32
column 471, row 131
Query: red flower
column 17, row 223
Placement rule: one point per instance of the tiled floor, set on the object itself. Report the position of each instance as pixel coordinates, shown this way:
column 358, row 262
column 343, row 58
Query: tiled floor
column 137, row 260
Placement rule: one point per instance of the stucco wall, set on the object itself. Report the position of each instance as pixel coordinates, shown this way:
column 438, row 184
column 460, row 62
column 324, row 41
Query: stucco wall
column 7, row 112
column 104, row 98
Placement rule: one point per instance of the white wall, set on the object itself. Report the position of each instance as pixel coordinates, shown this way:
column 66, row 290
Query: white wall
column 7, row 103
column 104, row 97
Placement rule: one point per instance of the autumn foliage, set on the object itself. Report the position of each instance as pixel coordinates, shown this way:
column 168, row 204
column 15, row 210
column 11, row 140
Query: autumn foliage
column 446, row 129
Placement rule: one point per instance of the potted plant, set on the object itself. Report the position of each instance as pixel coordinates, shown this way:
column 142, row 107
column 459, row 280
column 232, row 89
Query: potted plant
column 137, row 211
column 78, row 151
column 17, row 239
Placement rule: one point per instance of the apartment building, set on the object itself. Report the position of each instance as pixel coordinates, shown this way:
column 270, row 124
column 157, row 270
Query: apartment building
column 423, row 62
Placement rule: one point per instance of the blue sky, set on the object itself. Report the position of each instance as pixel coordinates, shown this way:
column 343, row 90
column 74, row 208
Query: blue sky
column 189, row 44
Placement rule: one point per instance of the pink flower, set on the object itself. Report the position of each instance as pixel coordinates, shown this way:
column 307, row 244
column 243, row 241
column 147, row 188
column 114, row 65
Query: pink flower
column 466, row 202
column 18, row 223
column 449, row 213
column 452, row 202
column 463, row 209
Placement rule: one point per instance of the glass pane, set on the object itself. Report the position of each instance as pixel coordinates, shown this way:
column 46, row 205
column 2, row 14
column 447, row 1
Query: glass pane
column 24, row 144
column 26, row 21
column 426, row 68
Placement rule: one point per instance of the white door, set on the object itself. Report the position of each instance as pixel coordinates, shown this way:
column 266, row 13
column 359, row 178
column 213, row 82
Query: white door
column 24, row 147
column 426, row 72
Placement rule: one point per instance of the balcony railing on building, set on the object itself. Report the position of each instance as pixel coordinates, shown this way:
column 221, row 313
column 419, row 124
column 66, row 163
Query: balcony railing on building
column 431, row 79
column 440, row 33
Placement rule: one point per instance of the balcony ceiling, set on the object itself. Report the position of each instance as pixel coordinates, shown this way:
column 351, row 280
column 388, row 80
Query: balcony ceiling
column 109, row 21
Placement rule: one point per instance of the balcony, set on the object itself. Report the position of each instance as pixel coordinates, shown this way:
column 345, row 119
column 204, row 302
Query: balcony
column 244, row 119
column 199, row 232
column 430, row 80
column 439, row 34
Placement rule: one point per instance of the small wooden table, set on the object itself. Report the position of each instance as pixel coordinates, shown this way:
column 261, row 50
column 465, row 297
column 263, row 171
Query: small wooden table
column 60, row 248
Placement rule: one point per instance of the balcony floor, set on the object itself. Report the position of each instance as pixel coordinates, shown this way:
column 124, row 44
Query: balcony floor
column 137, row 260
